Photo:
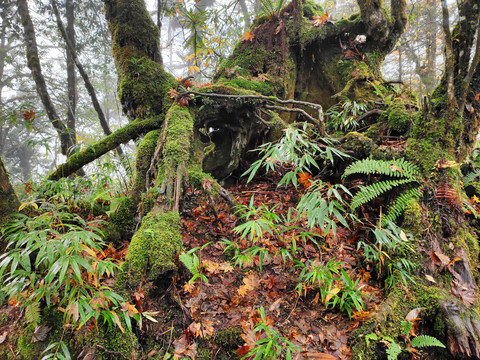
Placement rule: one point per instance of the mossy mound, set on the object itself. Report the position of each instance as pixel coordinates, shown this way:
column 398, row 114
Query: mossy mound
column 398, row 117
column 153, row 249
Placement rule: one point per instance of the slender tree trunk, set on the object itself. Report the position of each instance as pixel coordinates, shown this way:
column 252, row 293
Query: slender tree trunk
column 71, row 73
column 88, row 85
column 67, row 141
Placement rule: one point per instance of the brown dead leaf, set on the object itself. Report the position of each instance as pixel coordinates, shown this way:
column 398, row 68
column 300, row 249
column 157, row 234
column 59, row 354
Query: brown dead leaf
column 444, row 164
column 251, row 282
column 276, row 305
column 414, row 314
column 3, row 337
column 440, row 259
column 320, row 20
column 396, row 168
column 202, row 329
column 40, row 333
column 321, row 356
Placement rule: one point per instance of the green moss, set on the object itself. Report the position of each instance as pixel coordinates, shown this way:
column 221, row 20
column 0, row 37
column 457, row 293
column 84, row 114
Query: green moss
column 412, row 218
column 143, row 88
column 312, row 9
column 145, row 152
column 397, row 116
column 359, row 144
column 230, row 339
column 153, row 249
column 143, row 82
column 265, row 88
column 114, row 340
column 387, row 321
column 203, row 349
column 123, row 216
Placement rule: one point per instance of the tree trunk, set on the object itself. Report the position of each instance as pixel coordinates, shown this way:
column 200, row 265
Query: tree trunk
column 66, row 139
column 72, row 60
column 71, row 74
column 8, row 199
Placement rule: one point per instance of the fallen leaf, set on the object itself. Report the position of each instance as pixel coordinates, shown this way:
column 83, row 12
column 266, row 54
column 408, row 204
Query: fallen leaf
column 251, row 281
column 414, row 314
column 331, row 294
column 40, row 333
column 430, row 278
column 321, row 356
column 3, row 337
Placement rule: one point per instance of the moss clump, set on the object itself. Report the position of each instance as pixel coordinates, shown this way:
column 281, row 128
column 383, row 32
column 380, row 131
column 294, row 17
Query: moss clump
column 122, row 220
column 398, row 117
column 114, row 340
column 143, row 83
column 176, row 150
column 412, row 218
column 311, row 9
column 230, row 339
column 265, row 88
column 359, row 144
column 387, row 321
column 153, row 249
column 143, row 88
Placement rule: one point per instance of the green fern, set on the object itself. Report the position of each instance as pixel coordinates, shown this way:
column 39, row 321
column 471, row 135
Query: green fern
column 426, row 340
column 370, row 192
column 399, row 205
column 400, row 168
column 32, row 313
column 470, row 177
column 393, row 351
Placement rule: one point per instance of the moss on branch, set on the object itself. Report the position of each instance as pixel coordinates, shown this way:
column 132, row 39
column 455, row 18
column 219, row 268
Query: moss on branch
column 121, row 136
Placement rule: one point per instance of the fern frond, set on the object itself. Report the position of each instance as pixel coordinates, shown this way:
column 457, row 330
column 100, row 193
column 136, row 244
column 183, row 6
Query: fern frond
column 470, row 177
column 371, row 191
column 426, row 340
column 399, row 168
column 393, row 351
column 32, row 313
column 399, row 205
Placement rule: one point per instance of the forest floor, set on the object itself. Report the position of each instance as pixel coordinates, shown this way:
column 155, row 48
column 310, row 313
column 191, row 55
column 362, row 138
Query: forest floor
column 234, row 294
column 235, row 306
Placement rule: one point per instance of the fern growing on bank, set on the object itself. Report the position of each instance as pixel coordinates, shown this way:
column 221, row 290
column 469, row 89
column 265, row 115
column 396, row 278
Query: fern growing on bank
column 401, row 170
column 471, row 177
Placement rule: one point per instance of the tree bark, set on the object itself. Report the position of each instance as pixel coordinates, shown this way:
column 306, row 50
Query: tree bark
column 71, row 74
column 72, row 56
column 8, row 199
column 66, row 140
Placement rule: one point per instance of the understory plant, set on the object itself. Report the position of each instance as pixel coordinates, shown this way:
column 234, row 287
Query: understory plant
column 343, row 116
column 394, row 348
column 334, row 285
column 390, row 253
column 400, row 171
column 272, row 345
column 56, row 259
